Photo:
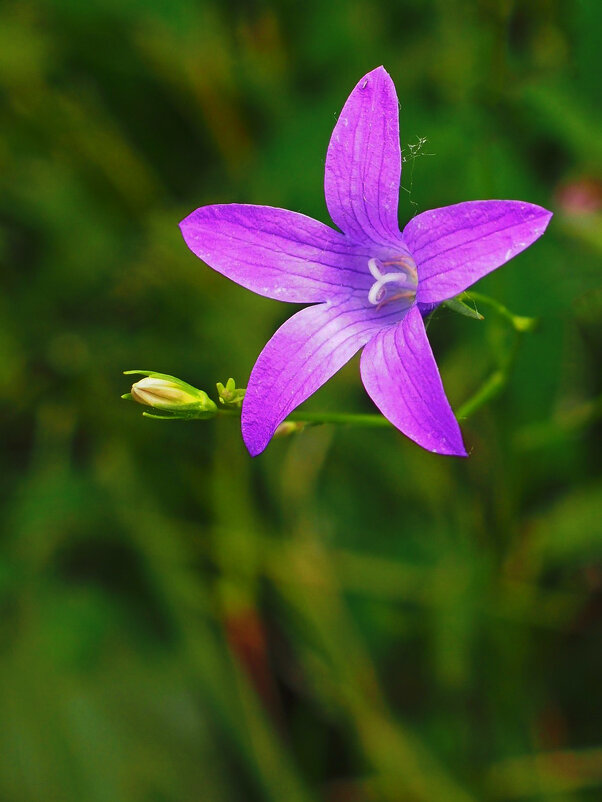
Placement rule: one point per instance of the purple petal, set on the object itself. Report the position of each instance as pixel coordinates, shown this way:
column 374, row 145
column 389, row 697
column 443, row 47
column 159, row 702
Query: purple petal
column 457, row 245
column 363, row 163
column 274, row 252
column 401, row 376
column 301, row 356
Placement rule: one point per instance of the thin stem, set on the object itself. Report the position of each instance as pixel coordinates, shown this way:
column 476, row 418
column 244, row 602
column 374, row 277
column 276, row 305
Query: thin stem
column 519, row 322
column 344, row 418
column 490, row 389
column 492, row 386
column 316, row 418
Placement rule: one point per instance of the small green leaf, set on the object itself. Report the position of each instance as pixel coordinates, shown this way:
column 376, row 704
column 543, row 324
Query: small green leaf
column 457, row 305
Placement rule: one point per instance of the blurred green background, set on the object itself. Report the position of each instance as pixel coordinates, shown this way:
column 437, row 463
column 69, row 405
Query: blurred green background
column 346, row 618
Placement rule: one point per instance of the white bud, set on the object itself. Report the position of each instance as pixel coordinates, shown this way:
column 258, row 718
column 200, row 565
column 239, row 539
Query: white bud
column 161, row 393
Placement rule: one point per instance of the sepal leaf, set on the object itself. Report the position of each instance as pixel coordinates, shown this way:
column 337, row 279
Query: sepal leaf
column 458, row 305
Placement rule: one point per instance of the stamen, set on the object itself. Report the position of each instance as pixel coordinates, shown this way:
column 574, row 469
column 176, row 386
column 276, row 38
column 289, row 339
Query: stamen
column 406, row 263
column 397, row 297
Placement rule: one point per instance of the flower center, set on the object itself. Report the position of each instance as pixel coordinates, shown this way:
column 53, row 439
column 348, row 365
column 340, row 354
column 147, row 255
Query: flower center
column 394, row 284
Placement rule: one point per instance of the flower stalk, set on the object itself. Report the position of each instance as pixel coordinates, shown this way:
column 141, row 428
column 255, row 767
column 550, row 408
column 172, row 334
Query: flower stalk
column 519, row 322
column 173, row 399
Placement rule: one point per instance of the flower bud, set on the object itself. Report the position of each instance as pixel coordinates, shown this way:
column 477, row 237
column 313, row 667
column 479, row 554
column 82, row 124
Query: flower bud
column 289, row 427
column 171, row 395
column 230, row 395
column 160, row 393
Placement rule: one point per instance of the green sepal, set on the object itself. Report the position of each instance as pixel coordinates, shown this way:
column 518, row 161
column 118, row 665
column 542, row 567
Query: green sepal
column 458, row 305
column 170, row 416
column 520, row 323
column 154, row 375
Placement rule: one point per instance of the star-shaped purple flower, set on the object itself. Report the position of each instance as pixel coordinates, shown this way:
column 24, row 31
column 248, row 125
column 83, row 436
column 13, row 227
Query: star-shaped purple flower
column 370, row 285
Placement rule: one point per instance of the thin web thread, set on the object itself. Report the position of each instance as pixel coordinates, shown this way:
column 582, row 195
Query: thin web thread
column 409, row 155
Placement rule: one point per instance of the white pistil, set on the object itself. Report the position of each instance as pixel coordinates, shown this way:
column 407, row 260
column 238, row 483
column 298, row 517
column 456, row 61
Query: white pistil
column 377, row 290
column 373, row 267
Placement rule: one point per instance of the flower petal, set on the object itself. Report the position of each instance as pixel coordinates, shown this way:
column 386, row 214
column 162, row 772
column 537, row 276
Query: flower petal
column 400, row 374
column 274, row 252
column 457, row 245
column 363, row 163
column 301, row 356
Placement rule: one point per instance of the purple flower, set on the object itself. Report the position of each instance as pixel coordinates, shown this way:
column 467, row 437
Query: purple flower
column 370, row 285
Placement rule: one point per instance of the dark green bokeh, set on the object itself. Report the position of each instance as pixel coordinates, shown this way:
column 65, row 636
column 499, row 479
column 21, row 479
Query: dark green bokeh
column 346, row 617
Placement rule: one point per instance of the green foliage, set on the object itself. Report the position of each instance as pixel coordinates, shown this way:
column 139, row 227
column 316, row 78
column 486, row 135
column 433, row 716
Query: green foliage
column 345, row 617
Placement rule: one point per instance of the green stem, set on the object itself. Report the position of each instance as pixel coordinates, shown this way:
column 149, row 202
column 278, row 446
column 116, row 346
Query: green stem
column 492, row 386
column 490, row 389
column 353, row 419
column 519, row 322
column 316, row 418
